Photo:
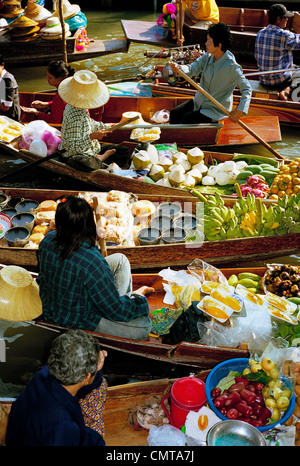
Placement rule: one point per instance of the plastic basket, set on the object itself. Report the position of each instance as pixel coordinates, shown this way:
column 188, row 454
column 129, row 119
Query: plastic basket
column 238, row 365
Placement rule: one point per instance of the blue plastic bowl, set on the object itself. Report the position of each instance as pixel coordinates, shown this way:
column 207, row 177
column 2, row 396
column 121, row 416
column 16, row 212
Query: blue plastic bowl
column 238, row 365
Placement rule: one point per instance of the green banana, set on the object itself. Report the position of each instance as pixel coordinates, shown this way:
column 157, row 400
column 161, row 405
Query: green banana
column 216, row 215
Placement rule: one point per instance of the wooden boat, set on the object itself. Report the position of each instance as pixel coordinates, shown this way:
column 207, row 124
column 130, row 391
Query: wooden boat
column 121, row 400
column 244, row 24
column 40, row 51
column 224, row 133
column 230, row 252
column 190, row 354
column 263, row 103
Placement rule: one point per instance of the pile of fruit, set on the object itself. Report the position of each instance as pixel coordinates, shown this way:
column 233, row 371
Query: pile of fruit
column 258, row 396
column 249, row 280
column 287, row 181
column 291, row 370
column 283, row 280
column 249, row 216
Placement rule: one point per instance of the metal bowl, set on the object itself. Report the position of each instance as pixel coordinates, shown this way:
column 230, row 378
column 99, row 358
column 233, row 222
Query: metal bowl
column 169, row 208
column 161, row 222
column 174, row 235
column 23, row 220
column 148, row 236
column 235, row 433
column 17, row 236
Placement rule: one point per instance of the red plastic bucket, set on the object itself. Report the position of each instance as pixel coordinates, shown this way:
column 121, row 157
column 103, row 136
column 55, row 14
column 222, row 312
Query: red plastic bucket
column 187, row 394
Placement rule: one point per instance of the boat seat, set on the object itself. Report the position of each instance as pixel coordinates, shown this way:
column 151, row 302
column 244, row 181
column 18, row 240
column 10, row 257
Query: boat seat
column 258, row 90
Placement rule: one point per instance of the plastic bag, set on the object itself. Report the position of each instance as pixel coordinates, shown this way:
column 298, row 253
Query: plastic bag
column 206, row 272
column 162, row 116
column 39, row 129
column 166, row 435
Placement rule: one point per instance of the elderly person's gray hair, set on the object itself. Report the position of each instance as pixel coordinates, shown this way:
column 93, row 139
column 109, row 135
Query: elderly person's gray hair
column 73, row 355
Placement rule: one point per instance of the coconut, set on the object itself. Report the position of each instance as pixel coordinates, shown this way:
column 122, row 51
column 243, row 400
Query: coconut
column 153, row 154
column 213, row 170
column 229, row 166
column 189, row 180
column 208, row 180
column 164, row 181
column 179, row 155
column 177, row 167
column 223, row 178
column 195, row 155
column 157, row 172
column 196, row 174
column 141, row 160
column 176, row 177
column 185, row 164
column 166, row 163
column 201, row 167
column 241, row 164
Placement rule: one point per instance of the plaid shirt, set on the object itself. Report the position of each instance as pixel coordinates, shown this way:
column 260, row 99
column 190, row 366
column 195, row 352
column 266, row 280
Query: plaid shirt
column 80, row 290
column 76, row 128
column 273, row 51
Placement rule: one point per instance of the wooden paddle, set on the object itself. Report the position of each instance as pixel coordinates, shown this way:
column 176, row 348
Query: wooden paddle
column 98, row 222
column 224, row 110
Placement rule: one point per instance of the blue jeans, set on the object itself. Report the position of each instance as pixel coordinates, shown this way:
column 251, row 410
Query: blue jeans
column 136, row 329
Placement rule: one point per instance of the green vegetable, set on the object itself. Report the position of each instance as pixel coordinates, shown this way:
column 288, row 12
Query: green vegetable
column 227, row 381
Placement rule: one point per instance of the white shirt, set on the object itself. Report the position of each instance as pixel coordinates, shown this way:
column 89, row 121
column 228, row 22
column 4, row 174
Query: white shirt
column 3, row 91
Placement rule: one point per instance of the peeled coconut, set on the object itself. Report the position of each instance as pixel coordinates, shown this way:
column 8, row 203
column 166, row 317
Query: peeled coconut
column 195, row 155
column 176, row 166
column 141, row 160
column 157, row 172
column 166, row 163
column 153, row 154
column 228, row 166
column 208, row 180
column 164, row 182
column 179, row 155
column 223, row 178
column 196, row 175
column 240, row 164
column 213, row 170
column 184, row 163
column 201, row 167
column 176, row 177
column 189, row 180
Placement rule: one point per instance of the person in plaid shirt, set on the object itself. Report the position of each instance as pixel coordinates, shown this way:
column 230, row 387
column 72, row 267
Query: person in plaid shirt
column 274, row 47
column 79, row 288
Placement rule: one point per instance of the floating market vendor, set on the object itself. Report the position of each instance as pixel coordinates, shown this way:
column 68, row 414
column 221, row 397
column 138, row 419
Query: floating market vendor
column 51, row 409
column 274, row 47
column 80, row 134
column 220, row 75
column 9, row 94
column 79, row 288
column 52, row 111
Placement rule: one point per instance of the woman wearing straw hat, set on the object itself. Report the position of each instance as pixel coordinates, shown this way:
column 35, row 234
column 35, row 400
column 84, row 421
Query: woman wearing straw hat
column 80, row 134
column 52, row 111
column 79, row 288
column 9, row 94
column 48, row 412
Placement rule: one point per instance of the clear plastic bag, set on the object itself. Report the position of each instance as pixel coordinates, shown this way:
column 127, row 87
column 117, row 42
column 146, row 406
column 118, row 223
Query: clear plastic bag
column 206, row 272
column 162, row 116
column 166, row 435
column 40, row 130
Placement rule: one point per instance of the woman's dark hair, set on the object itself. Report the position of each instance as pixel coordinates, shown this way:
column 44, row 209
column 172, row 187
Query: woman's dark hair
column 73, row 355
column 220, row 34
column 59, row 69
column 1, row 60
column 75, row 224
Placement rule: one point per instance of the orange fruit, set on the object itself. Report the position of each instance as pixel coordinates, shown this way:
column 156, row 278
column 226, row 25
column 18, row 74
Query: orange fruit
column 286, row 178
column 296, row 188
column 288, row 192
column 296, row 180
column 274, row 196
column 280, row 194
column 282, row 186
column 274, row 189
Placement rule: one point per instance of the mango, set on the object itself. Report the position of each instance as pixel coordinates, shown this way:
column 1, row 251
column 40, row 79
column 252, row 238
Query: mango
column 250, row 275
column 248, row 283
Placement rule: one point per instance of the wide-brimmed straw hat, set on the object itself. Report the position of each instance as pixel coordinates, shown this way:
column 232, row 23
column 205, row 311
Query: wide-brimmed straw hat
column 11, row 11
column 19, row 295
column 84, row 90
column 68, row 10
column 53, row 27
column 16, row 32
column 23, row 22
column 36, row 12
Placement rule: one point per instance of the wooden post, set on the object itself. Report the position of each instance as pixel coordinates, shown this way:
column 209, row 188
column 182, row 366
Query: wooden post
column 61, row 18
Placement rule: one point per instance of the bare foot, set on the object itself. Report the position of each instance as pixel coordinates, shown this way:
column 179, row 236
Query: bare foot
column 143, row 290
column 106, row 154
column 284, row 95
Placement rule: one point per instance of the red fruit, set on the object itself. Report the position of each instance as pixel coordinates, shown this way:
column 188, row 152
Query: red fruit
column 219, row 402
column 236, row 387
column 232, row 413
column 215, row 392
column 248, row 396
column 247, row 411
column 241, row 379
column 233, row 398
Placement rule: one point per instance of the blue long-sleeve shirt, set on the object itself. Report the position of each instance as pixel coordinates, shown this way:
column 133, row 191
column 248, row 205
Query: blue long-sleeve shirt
column 78, row 291
column 219, row 78
column 46, row 414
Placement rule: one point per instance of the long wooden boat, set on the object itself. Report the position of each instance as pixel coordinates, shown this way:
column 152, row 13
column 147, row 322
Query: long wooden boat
column 220, row 134
column 227, row 253
column 121, row 401
column 262, row 104
column 244, row 24
column 40, row 51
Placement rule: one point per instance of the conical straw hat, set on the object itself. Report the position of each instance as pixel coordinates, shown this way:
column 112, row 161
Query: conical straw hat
column 36, row 12
column 19, row 295
column 84, row 90
column 23, row 22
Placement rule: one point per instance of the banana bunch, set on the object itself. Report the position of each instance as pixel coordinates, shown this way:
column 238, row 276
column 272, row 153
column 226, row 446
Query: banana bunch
column 249, row 224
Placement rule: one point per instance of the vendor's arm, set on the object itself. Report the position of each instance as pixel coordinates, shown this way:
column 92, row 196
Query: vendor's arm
column 246, row 91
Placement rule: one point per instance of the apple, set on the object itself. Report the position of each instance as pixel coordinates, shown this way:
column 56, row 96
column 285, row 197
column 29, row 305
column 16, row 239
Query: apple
column 267, row 364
